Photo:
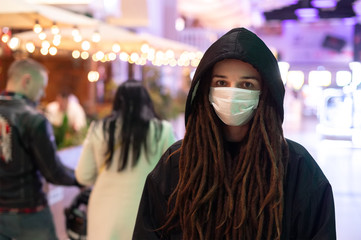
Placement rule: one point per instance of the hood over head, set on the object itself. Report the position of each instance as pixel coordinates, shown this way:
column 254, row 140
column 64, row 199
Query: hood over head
column 241, row 44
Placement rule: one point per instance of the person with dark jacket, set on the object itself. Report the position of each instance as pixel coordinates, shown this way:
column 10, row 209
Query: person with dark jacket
column 27, row 154
column 235, row 175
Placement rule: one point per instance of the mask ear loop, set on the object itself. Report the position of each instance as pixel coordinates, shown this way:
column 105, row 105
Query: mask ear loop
column 195, row 90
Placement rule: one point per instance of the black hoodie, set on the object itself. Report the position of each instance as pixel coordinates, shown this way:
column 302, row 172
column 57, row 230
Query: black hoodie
column 241, row 44
column 308, row 200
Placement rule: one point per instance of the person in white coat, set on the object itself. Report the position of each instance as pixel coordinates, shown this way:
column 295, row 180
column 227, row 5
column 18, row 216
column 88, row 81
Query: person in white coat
column 117, row 155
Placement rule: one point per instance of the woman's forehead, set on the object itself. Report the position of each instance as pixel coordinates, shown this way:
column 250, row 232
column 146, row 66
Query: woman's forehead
column 234, row 66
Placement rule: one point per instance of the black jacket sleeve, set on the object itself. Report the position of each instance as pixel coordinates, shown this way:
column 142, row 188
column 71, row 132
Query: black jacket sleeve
column 44, row 151
column 154, row 202
column 151, row 210
column 309, row 211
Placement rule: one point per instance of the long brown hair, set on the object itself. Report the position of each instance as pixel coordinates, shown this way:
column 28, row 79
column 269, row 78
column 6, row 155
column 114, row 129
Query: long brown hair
column 242, row 200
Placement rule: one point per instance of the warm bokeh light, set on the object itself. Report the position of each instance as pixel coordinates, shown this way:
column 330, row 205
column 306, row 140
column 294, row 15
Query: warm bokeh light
column 151, row 54
column 75, row 54
column 77, row 38
column 55, row 29
column 53, row 51
column 93, row 76
column 30, row 47
column 57, row 40
column 84, row 55
column 44, row 51
column 170, row 54
column 75, row 31
column 173, row 62
column 123, row 56
column 99, row 55
column 37, row 27
column 45, row 44
column 112, row 56
column 144, row 48
column 116, row 48
column 96, row 37
column 134, row 57
column 159, row 55
column 5, row 38
column 85, row 45
column 14, row 43
column 42, row 36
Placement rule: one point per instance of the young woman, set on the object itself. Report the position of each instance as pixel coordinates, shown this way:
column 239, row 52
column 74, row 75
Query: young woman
column 234, row 175
column 118, row 153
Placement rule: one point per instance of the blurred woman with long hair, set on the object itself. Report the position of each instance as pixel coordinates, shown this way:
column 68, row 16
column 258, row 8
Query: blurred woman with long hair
column 118, row 153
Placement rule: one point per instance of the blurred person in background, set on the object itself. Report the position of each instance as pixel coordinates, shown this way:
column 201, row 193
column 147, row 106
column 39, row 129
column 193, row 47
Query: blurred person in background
column 66, row 115
column 234, row 175
column 28, row 153
column 118, row 153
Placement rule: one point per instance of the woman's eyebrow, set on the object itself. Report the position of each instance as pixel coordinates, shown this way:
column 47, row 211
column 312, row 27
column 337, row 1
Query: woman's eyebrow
column 218, row 76
column 250, row 77
column 242, row 78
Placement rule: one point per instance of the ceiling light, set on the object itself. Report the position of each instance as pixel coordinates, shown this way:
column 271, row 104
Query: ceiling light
column 307, row 14
column 324, row 3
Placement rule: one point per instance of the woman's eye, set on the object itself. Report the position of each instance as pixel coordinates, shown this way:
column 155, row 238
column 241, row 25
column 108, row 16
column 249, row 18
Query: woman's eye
column 248, row 85
column 221, row 83
column 252, row 85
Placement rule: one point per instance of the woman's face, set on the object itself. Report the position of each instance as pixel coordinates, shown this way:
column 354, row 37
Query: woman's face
column 237, row 74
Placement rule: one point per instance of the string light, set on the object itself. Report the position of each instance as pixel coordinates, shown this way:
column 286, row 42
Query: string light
column 144, row 48
column 85, row 45
column 75, row 54
column 5, row 37
column 145, row 53
column 53, row 51
column 112, row 56
column 42, row 36
column 116, row 48
column 30, row 47
column 55, row 29
column 44, row 51
column 37, row 27
column 84, row 55
column 123, row 56
column 134, row 57
column 75, row 31
column 78, row 38
column 93, row 76
column 96, row 37
column 14, row 43
column 45, row 44
column 57, row 40
column 169, row 54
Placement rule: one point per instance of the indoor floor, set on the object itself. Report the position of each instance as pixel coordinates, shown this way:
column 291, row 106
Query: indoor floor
column 341, row 163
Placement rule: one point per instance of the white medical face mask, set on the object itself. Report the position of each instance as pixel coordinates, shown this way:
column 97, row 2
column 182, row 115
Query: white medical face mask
column 234, row 106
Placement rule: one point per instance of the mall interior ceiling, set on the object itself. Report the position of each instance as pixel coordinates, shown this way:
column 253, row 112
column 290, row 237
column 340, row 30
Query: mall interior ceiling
column 343, row 9
column 220, row 14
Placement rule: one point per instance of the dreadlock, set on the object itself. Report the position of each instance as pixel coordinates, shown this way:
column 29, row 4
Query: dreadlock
column 215, row 201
